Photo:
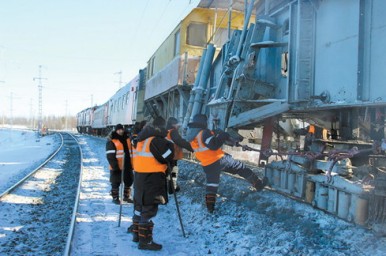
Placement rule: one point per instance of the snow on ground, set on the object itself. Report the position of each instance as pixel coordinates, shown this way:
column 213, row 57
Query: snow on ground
column 20, row 151
column 245, row 222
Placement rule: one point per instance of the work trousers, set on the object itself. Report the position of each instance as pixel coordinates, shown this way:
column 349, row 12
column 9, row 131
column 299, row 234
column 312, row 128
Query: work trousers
column 225, row 164
column 115, row 178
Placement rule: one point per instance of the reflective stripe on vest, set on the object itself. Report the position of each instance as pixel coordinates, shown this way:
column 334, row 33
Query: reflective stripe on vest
column 144, row 161
column 178, row 154
column 131, row 150
column 118, row 153
column 205, row 155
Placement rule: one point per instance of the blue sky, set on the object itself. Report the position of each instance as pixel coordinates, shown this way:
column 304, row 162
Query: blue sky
column 82, row 45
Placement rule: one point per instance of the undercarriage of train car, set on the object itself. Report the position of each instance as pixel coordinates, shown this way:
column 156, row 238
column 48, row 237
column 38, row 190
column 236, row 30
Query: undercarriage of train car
column 337, row 163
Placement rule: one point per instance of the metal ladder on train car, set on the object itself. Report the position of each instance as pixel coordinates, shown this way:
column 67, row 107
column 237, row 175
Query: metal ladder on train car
column 304, row 65
column 244, row 77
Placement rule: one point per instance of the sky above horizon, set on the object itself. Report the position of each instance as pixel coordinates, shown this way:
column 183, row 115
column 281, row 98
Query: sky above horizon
column 86, row 50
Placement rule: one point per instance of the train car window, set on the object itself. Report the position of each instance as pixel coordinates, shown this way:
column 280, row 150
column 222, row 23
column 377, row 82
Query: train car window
column 151, row 66
column 197, row 34
column 127, row 98
column 177, row 44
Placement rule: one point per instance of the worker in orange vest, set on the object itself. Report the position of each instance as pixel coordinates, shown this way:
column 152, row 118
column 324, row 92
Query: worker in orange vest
column 179, row 143
column 118, row 155
column 309, row 138
column 152, row 156
column 207, row 147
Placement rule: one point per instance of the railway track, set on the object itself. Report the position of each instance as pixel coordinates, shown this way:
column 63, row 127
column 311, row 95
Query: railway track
column 26, row 176
column 44, row 200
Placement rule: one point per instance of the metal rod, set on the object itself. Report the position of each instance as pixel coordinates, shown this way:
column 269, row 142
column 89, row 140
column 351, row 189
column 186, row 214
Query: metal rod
column 175, row 199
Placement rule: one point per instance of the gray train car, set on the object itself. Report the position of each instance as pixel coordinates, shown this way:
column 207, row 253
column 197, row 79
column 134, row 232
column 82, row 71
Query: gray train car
column 84, row 120
column 309, row 74
column 125, row 107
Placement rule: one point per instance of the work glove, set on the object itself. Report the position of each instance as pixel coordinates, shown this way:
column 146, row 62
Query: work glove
column 231, row 141
column 173, row 181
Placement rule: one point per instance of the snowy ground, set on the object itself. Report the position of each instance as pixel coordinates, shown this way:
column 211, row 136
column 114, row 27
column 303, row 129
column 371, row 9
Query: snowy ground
column 245, row 222
column 20, row 151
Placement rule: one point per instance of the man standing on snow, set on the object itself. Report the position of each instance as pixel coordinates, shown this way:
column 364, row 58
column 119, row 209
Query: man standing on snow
column 118, row 150
column 150, row 161
column 179, row 143
column 207, row 147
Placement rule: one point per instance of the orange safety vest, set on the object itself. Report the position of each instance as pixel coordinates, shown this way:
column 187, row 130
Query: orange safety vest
column 178, row 154
column 119, row 152
column 311, row 129
column 205, row 155
column 131, row 150
column 144, row 161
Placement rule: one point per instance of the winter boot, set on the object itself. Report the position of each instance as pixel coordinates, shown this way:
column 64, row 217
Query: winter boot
column 115, row 194
column 257, row 183
column 134, row 229
column 146, row 238
column 127, row 195
column 210, row 200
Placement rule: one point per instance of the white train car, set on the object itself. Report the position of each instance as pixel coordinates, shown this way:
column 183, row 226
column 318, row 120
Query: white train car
column 85, row 120
column 122, row 105
column 99, row 124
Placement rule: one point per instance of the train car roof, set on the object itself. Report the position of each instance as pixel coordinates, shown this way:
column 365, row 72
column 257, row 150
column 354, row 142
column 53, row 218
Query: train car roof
column 237, row 5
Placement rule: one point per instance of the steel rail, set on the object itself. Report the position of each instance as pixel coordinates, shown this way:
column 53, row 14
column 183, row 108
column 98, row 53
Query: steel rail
column 67, row 249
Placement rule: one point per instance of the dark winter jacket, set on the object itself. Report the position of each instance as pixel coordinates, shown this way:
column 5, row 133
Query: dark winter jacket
column 216, row 140
column 150, row 188
column 110, row 151
column 138, row 126
column 179, row 141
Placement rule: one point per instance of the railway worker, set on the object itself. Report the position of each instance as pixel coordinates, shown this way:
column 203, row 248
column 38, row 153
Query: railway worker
column 207, row 147
column 153, row 153
column 138, row 126
column 118, row 147
column 179, row 143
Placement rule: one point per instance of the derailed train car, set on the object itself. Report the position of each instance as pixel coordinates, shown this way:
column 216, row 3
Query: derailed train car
column 320, row 63
column 308, row 73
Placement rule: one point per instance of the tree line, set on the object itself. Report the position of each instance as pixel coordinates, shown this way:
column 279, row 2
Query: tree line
column 51, row 122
